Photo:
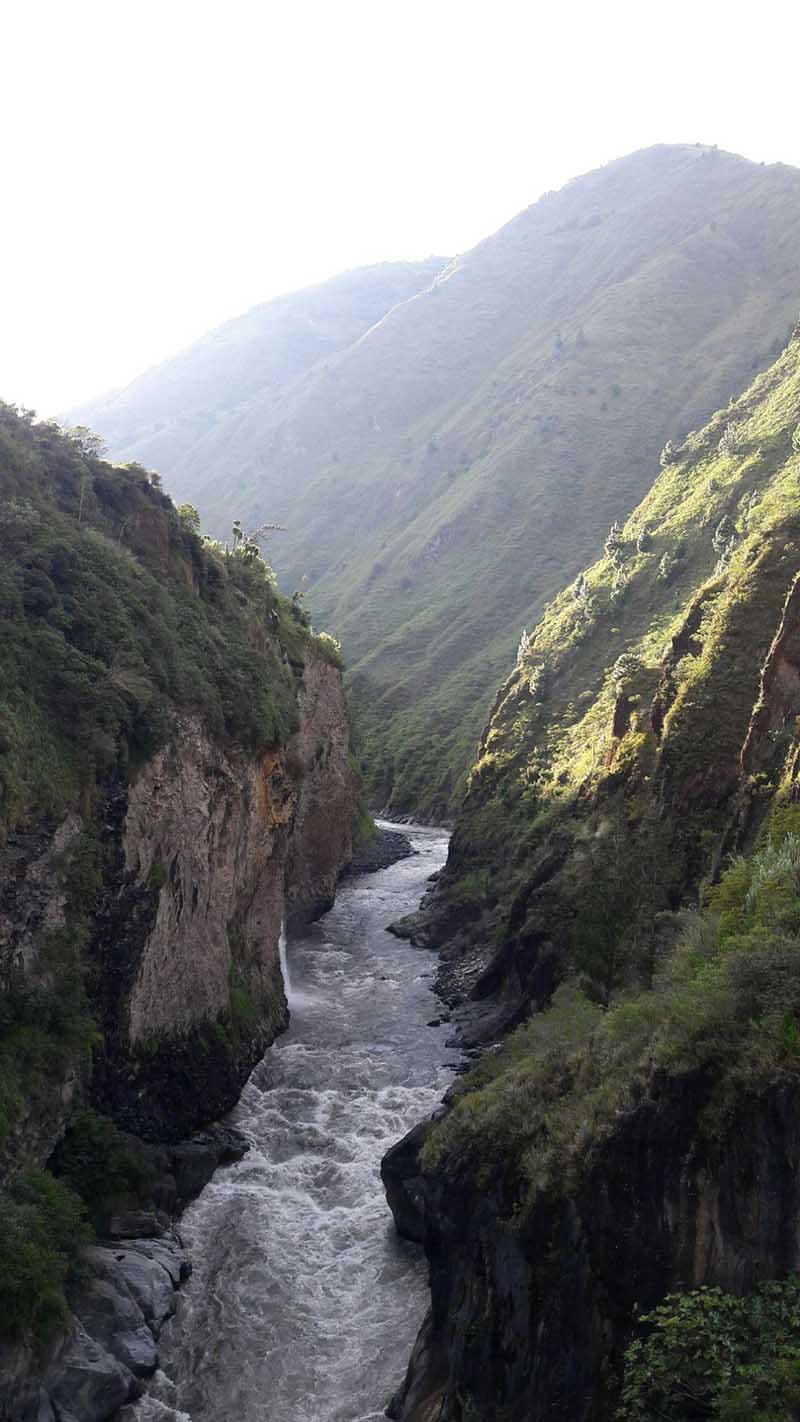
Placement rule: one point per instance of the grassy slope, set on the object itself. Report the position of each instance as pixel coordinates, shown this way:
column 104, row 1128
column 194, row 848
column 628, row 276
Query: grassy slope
column 630, row 774
column 442, row 477
column 161, row 417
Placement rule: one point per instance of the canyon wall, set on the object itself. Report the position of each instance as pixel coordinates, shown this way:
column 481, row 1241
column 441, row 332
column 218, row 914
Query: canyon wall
column 530, row 1313
column 621, row 897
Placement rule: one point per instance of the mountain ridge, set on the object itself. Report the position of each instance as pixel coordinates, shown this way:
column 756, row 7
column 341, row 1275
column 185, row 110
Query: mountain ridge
column 440, row 477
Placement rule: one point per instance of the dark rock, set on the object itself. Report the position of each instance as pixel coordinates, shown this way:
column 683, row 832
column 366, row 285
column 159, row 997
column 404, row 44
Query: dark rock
column 131, row 1224
column 168, row 1252
column 111, row 1316
column 146, row 1279
column 405, row 1186
column 85, row 1383
column 415, row 927
column 380, row 851
column 194, row 1161
column 532, row 1311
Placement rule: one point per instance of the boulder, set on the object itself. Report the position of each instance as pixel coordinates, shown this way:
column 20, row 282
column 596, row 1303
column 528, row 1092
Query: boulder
column 111, row 1316
column 85, row 1383
column 167, row 1251
column 147, row 1280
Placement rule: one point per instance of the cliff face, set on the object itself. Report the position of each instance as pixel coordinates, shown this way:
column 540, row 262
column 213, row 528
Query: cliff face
column 621, row 896
column 530, row 1318
column 175, row 782
column 204, row 855
column 214, row 851
column 33, row 910
column 320, row 760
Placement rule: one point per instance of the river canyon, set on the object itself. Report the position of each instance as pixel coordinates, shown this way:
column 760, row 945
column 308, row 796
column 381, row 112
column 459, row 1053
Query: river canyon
column 303, row 1303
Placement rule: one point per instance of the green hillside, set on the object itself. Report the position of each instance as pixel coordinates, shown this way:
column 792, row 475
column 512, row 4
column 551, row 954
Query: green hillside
column 441, row 477
column 623, row 889
column 163, row 418
column 650, row 720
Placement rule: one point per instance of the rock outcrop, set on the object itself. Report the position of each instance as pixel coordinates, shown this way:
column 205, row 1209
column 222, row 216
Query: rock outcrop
column 125, row 1295
column 215, row 850
column 530, row 1314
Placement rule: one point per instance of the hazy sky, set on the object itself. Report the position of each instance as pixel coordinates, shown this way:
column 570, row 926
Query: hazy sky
column 166, row 165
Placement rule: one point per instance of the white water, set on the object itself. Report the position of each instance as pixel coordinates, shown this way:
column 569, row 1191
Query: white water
column 284, row 958
column 303, row 1305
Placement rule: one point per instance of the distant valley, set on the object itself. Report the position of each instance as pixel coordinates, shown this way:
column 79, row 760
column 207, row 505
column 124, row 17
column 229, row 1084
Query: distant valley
column 448, row 443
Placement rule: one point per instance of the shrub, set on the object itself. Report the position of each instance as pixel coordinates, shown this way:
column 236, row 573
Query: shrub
column 709, row 1355
column 731, row 440
column 43, row 1227
column 726, row 1002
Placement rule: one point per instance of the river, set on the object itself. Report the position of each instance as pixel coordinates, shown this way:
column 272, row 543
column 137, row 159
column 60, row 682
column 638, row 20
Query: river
column 303, row 1304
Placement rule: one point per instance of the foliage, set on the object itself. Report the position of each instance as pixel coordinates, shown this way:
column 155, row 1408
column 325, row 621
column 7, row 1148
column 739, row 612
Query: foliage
column 725, row 1003
column 43, row 1227
column 116, row 616
column 706, row 1354
column 45, row 1026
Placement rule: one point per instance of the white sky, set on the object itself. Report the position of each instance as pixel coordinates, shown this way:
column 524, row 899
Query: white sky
column 166, row 165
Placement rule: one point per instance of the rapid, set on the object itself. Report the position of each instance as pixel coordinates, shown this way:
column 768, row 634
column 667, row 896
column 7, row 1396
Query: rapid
column 303, row 1304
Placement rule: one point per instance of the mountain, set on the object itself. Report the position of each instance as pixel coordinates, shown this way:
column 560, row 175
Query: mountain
column 623, row 887
column 442, row 475
column 167, row 416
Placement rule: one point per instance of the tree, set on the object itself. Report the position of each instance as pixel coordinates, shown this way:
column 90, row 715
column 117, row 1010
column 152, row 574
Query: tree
column 666, row 567
column 89, row 443
column 710, row 1355
column 731, row 440
column 615, row 545
column 525, row 645
column 188, row 515
column 625, row 670
column 723, row 533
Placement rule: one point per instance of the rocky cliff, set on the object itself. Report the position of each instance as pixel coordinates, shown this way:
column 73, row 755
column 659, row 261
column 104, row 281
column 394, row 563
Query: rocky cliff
column 530, row 1315
column 643, row 731
column 623, row 891
column 175, row 783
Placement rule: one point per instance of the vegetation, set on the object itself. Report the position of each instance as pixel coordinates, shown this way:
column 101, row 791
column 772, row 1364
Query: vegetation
column 438, row 502
column 116, row 616
column 43, row 1227
column 725, row 1004
column 709, row 1355
column 611, row 770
